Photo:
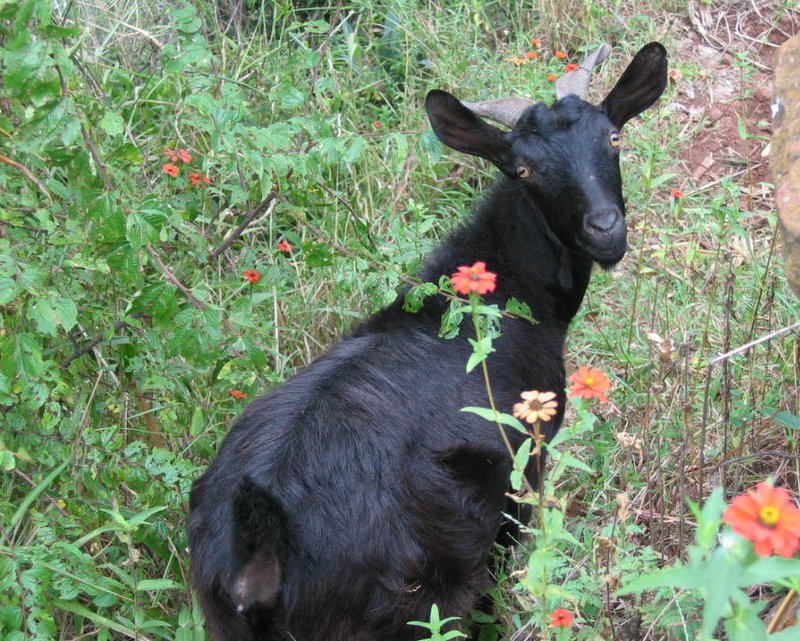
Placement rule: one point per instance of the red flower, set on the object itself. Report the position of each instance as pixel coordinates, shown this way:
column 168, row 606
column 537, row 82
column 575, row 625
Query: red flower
column 767, row 517
column 474, row 279
column 377, row 124
column 676, row 193
column 252, row 275
column 284, row 246
column 535, row 42
column 178, row 154
column 570, row 67
column 561, row 618
column 552, row 77
column 560, row 55
column 238, row 394
column 198, row 178
column 171, row 169
column 589, row 382
column 531, row 55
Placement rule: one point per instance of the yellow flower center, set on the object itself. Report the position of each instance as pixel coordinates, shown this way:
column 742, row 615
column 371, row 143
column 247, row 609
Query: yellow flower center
column 588, row 381
column 769, row 515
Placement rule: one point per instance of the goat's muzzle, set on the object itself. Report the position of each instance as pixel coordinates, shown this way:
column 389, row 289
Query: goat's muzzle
column 605, row 235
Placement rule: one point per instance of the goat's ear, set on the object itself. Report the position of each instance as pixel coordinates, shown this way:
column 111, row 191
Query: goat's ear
column 460, row 129
column 640, row 85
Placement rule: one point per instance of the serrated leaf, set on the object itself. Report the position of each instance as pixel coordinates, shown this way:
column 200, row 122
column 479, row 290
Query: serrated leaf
column 518, row 308
column 112, row 123
column 66, row 312
column 353, row 153
column 431, row 145
column 156, row 584
column 8, row 290
column 43, row 315
column 400, row 142
column 138, row 231
column 415, row 297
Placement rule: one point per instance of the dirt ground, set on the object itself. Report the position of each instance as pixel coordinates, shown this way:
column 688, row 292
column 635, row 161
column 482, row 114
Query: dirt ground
column 732, row 44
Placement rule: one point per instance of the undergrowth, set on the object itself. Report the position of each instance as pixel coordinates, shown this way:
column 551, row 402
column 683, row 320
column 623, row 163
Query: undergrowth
column 126, row 322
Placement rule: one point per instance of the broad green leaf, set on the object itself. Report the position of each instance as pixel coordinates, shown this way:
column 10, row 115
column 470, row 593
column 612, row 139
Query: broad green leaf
column 112, row 123
column 66, row 312
column 723, row 572
column 683, row 577
column 25, row 354
column 156, row 584
column 43, row 315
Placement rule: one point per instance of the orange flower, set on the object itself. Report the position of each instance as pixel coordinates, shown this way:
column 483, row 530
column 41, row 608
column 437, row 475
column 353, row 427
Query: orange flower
column 517, row 60
column 676, row 193
column 198, row 178
column 589, row 382
column 570, row 67
column 537, row 407
column 767, row 517
column 171, row 169
column 252, row 275
column 238, row 394
column 531, row 55
column 474, row 279
column 284, row 246
column 561, row 618
column 535, row 42
column 552, row 77
column 560, row 55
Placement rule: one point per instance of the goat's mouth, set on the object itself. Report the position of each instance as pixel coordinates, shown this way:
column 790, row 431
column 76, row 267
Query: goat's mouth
column 607, row 253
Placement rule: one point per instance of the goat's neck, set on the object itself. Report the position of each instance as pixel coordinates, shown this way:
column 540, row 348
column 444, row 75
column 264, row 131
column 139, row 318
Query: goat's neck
column 549, row 276
column 510, row 234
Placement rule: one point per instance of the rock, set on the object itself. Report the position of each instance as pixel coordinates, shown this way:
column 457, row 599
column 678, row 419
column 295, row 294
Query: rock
column 785, row 153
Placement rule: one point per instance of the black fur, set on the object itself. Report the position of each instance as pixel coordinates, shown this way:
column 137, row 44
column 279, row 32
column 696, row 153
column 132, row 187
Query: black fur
column 348, row 500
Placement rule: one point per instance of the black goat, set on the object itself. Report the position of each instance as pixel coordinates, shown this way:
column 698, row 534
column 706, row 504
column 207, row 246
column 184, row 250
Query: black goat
column 348, row 500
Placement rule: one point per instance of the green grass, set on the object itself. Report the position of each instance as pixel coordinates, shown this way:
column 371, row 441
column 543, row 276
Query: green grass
column 123, row 330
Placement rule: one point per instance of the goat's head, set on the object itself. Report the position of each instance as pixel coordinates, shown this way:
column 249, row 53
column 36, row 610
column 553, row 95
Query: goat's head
column 566, row 155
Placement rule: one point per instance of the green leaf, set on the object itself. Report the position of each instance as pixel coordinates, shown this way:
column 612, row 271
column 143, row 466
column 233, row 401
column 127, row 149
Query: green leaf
column 43, row 315
column 496, row 417
column 66, row 312
column 784, row 418
column 431, row 145
column 22, row 355
column 416, row 296
column 710, row 519
column 769, row 569
column 8, row 290
column 684, row 577
column 723, row 573
column 35, row 492
column 518, row 308
column 112, row 123
column 138, row 231
column 157, row 584
column 353, row 153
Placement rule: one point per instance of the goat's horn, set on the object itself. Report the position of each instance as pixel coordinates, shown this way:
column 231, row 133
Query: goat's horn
column 505, row 111
column 577, row 82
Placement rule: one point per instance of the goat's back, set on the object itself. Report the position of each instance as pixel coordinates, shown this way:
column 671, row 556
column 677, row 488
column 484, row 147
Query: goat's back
column 382, row 497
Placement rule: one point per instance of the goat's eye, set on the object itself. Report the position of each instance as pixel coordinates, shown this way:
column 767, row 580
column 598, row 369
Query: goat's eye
column 613, row 139
column 523, row 171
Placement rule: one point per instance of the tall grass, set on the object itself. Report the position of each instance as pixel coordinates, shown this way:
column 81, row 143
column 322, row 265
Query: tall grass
column 126, row 321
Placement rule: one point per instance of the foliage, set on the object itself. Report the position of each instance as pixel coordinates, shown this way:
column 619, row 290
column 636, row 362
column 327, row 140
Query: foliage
column 126, row 319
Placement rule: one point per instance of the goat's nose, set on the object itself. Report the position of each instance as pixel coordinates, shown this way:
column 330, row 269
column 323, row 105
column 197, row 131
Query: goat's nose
column 602, row 221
